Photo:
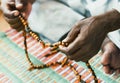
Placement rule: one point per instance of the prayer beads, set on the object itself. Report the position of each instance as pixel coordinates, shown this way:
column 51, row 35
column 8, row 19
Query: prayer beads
column 54, row 49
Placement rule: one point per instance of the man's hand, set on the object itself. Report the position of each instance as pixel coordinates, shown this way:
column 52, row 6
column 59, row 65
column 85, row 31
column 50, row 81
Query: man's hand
column 110, row 57
column 86, row 36
column 12, row 8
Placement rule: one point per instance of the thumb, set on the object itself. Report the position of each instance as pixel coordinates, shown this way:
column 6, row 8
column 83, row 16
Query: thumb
column 19, row 4
column 72, row 34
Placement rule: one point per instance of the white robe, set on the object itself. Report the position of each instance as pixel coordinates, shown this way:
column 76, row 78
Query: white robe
column 53, row 18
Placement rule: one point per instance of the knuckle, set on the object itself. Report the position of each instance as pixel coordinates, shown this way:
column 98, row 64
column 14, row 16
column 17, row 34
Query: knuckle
column 7, row 14
column 68, row 51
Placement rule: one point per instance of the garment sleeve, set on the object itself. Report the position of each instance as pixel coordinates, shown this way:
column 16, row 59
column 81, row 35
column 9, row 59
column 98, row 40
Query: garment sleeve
column 78, row 6
column 115, row 37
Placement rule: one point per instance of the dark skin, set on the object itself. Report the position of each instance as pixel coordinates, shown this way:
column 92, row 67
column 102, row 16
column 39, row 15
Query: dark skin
column 84, row 39
column 86, row 36
column 12, row 8
column 110, row 57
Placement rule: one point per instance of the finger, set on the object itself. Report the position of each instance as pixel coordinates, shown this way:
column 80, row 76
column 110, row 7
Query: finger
column 21, row 4
column 107, row 70
column 106, row 58
column 11, row 4
column 71, row 48
column 10, row 14
column 73, row 33
column 107, row 40
column 19, row 28
column 74, row 46
column 12, row 21
column 24, row 7
column 82, row 54
column 17, row 25
column 9, row 9
column 25, row 14
column 79, row 56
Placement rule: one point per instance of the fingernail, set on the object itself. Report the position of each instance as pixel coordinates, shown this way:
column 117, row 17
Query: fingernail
column 23, row 15
column 19, row 6
column 16, row 13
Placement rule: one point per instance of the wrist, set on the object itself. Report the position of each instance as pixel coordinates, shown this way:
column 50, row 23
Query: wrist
column 111, row 20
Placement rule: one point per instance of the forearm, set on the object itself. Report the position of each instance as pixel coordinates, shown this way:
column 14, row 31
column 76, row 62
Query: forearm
column 32, row 1
column 112, row 19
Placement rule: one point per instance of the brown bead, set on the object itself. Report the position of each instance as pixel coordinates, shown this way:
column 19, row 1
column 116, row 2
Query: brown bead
column 95, row 78
column 76, row 73
column 48, row 64
column 31, row 63
column 22, row 20
column 68, row 64
column 64, row 61
column 31, row 68
column 25, row 23
column 42, row 66
column 36, row 38
column 60, row 43
column 54, row 63
column 54, row 51
column 47, row 44
column 30, row 32
column 78, row 77
column 64, row 44
column 90, row 70
column 87, row 64
column 19, row 16
column 56, row 44
column 54, row 48
column 58, row 63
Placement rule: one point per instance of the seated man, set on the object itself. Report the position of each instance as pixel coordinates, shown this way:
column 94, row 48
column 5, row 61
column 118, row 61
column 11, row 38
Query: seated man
column 87, row 36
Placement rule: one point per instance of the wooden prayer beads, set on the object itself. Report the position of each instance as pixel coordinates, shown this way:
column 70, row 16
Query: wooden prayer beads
column 27, row 29
column 91, row 70
column 54, row 49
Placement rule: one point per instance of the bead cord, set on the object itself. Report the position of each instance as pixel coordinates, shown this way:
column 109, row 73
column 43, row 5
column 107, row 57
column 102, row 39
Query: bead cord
column 52, row 52
column 27, row 29
column 65, row 61
column 26, row 52
column 54, row 49
column 92, row 71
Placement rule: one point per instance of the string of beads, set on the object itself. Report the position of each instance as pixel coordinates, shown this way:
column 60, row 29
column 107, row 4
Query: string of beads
column 54, row 49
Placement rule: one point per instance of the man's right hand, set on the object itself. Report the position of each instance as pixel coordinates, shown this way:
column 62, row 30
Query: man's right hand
column 12, row 8
column 86, row 37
